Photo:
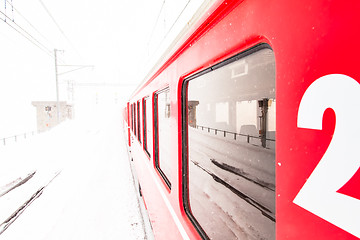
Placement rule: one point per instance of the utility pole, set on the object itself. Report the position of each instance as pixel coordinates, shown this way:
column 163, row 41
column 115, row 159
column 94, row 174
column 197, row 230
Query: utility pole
column 57, row 88
column 78, row 67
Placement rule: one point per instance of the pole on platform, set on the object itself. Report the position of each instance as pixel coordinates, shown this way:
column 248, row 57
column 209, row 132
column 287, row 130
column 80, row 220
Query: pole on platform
column 57, row 88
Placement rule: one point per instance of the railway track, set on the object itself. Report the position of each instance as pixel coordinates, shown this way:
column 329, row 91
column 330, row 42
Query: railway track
column 15, row 183
column 35, row 186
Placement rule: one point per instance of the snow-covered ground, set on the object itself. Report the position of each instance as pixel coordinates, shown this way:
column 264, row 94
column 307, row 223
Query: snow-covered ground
column 236, row 180
column 88, row 189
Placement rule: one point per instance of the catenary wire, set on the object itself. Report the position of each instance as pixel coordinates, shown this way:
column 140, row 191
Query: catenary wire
column 59, row 28
column 168, row 32
column 156, row 22
column 30, row 24
column 47, row 51
column 157, row 48
column 24, row 31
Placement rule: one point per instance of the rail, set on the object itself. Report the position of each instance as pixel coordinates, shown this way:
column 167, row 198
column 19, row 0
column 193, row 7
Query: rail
column 248, row 137
column 17, row 137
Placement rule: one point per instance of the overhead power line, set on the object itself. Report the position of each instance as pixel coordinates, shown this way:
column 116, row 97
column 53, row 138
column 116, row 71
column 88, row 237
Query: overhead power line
column 25, row 34
column 168, row 32
column 78, row 67
column 28, row 22
column 58, row 26
column 156, row 22
column 156, row 49
column 12, row 9
column 53, row 19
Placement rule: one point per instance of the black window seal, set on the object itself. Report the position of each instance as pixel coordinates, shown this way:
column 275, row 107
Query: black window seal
column 156, row 132
column 135, row 120
column 145, row 127
column 138, row 121
column 131, row 118
column 184, row 129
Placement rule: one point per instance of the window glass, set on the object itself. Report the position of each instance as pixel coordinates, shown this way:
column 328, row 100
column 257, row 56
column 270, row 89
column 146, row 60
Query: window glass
column 132, row 117
column 135, row 128
column 138, row 121
column 144, row 123
column 162, row 134
column 230, row 161
column 148, row 126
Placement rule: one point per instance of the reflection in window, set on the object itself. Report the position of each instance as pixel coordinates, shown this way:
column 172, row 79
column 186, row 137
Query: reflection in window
column 131, row 118
column 138, row 121
column 134, row 106
column 147, row 126
column 162, row 134
column 222, row 112
column 231, row 148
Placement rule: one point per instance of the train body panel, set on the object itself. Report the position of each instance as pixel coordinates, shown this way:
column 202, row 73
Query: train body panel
column 317, row 80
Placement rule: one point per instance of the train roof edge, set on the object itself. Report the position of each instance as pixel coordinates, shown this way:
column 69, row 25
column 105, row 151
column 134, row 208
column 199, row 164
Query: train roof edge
column 206, row 8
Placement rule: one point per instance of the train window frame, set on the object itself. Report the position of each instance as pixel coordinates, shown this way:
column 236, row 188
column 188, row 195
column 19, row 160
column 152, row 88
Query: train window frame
column 131, row 118
column 184, row 129
column 135, row 122
column 156, row 136
column 138, row 121
column 146, row 118
column 144, row 124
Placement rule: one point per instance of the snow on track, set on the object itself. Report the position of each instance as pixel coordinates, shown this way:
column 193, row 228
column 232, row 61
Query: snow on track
column 93, row 197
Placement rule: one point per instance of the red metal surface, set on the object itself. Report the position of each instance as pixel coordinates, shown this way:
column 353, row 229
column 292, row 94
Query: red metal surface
column 310, row 39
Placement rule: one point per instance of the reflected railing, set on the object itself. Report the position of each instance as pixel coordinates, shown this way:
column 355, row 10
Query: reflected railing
column 225, row 132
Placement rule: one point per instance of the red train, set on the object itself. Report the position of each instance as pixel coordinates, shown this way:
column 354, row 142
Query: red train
column 247, row 128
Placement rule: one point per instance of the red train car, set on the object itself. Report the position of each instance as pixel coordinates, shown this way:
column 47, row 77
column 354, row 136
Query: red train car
column 247, row 128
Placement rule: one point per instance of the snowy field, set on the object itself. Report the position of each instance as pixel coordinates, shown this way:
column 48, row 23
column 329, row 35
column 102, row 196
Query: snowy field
column 77, row 180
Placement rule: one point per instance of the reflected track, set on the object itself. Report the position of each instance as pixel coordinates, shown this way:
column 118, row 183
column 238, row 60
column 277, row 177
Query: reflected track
column 264, row 211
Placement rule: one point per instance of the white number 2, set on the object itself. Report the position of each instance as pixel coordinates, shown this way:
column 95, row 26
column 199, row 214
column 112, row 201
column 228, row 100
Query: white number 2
column 341, row 160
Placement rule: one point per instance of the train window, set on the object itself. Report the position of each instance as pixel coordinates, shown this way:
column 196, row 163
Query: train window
column 135, row 132
column 131, row 118
column 144, row 123
column 229, row 150
column 147, row 125
column 138, row 121
column 162, row 134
